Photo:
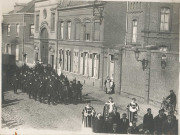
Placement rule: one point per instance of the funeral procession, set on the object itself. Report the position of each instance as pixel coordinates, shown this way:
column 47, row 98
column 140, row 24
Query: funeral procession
column 90, row 67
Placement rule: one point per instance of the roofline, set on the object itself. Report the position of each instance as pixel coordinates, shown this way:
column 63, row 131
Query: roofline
column 80, row 6
column 20, row 14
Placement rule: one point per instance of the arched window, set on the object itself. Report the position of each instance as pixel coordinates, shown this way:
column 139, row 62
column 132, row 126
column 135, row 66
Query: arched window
column 134, row 31
column 69, row 30
column 87, row 30
column 97, row 30
column 77, row 30
column 165, row 17
column 61, row 31
column 8, row 29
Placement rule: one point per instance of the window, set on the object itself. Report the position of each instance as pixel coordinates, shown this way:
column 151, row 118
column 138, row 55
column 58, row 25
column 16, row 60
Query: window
column 87, row 30
column 86, row 63
column 17, row 52
column 134, row 31
column 111, row 69
column 8, row 30
column 165, row 16
column 78, row 30
column 69, row 61
column 90, row 65
column 76, row 62
column 17, row 30
column 69, row 30
column 52, row 21
column 61, row 30
column 95, row 65
column 97, row 30
column 8, row 49
column 31, row 30
column 37, row 22
column 81, row 63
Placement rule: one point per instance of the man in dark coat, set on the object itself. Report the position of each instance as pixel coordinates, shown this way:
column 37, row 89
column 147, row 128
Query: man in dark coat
column 115, row 121
column 124, row 124
column 98, row 124
column 158, row 121
column 79, row 90
column 170, row 126
column 148, row 121
column 172, row 99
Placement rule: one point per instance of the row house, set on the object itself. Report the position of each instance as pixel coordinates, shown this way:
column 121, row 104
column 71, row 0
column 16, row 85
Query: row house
column 71, row 36
column 84, row 30
column 18, row 32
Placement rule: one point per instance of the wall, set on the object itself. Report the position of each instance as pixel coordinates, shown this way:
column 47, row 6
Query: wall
column 135, row 81
column 163, row 80
column 133, row 77
column 114, row 23
column 29, row 49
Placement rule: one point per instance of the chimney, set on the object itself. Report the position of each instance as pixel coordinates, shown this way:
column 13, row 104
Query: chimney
column 19, row 6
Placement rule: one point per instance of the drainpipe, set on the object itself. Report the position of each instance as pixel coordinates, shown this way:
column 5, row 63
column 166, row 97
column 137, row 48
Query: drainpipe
column 23, row 38
column 56, row 39
column 120, row 63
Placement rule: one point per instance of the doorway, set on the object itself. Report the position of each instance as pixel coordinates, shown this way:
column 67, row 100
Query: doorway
column 44, row 46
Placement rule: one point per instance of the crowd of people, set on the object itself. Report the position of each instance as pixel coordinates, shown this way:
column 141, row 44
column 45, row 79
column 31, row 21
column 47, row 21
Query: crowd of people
column 110, row 122
column 43, row 84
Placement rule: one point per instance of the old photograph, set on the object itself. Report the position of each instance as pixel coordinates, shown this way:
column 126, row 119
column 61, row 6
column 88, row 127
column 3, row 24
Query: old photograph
column 90, row 66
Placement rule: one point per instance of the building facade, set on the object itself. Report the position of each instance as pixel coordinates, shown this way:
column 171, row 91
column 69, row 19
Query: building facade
column 71, row 36
column 153, row 23
column 18, row 32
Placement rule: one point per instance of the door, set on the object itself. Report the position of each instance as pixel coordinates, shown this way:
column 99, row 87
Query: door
column 44, row 46
column 52, row 61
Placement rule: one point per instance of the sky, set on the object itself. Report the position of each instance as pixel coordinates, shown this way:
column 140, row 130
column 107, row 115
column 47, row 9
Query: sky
column 8, row 5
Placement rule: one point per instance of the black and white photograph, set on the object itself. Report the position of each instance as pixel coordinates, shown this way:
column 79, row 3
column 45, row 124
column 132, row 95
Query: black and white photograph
column 89, row 67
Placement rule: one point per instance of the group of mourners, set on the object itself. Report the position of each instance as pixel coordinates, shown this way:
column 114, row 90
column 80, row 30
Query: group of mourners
column 110, row 122
column 43, row 84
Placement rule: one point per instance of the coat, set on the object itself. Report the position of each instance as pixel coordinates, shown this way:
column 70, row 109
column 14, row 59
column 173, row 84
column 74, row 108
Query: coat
column 124, row 126
column 170, row 128
column 158, row 123
column 148, row 122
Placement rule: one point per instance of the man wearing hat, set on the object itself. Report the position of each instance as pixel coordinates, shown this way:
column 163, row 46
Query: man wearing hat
column 79, row 90
column 132, row 109
column 148, row 123
column 172, row 99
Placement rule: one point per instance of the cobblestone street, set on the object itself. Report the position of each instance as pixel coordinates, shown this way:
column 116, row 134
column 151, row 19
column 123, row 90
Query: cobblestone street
column 18, row 111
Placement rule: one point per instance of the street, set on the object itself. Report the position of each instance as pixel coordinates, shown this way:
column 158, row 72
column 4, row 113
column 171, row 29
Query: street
column 18, row 111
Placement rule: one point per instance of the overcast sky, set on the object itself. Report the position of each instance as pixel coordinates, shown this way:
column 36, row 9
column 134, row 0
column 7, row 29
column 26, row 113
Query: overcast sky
column 8, row 5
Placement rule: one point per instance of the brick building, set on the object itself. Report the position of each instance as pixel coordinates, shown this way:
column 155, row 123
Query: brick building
column 153, row 23
column 71, row 35
column 18, row 32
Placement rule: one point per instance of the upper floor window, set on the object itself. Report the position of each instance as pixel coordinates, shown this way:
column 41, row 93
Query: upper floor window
column 97, row 30
column 8, row 29
column 61, row 34
column 165, row 16
column 31, row 30
column 17, row 30
column 87, row 30
column 78, row 30
column 69, row 30
column 37, row 22
column 134, row 31
column 52, row 21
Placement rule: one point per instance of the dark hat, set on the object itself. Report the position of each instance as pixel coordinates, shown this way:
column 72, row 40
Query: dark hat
column 110, row 98
column 124, row 114
column 171, row 91
column 148, row 109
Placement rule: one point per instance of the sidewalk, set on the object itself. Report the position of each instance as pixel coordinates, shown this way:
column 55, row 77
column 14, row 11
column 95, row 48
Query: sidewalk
column 120, row 101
